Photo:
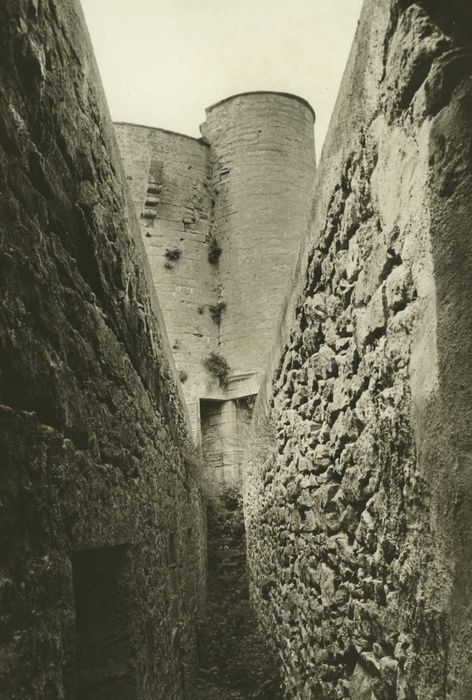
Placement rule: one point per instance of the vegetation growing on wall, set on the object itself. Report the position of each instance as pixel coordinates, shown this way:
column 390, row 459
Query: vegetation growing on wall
column 214, row 251
column 194, row 466
column 260, row 441
column 217, row 366
column 216, row 311
column 173, row 254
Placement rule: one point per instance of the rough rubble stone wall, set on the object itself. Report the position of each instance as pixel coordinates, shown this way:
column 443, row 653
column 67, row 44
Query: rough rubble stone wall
column 97, row 489
column 262, row 166
column 358, row 486
column 169, row 176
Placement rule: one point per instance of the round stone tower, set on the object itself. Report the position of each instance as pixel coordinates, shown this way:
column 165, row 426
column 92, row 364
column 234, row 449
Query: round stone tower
column 263, row 166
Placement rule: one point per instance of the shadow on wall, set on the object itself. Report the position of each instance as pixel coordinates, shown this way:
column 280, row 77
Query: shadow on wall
column 93, row 433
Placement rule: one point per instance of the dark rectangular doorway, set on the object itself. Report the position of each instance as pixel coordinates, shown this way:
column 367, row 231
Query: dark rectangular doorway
column 105, row 653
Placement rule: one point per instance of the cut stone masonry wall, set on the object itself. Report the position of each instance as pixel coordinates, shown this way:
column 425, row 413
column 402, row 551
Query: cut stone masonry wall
column 262, row 160
column 243, row 189
column 169, row 177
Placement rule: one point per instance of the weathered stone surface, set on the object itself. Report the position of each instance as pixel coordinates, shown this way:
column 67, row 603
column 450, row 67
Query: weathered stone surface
column 358, row 507
column 378, row 452
column 244, row 187
column 102, row 543
column 265, row 143
column 186, row 286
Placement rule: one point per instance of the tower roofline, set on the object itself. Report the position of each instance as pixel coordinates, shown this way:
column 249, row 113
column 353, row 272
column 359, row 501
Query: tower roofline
column 158, row 128
column 263, row 92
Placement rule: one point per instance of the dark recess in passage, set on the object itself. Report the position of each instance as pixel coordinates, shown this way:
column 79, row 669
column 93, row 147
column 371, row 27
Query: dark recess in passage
column 101, row 578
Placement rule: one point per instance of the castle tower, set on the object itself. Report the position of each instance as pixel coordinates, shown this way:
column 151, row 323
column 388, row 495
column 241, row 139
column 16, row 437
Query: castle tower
column 262, row 163
column 222, row 219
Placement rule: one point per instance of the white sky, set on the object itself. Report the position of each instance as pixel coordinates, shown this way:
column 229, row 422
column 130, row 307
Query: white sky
column 163, row 61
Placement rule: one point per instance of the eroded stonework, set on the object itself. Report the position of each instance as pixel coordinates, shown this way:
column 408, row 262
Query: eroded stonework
column 356, row 548
column 358, row 479
column 102, row 520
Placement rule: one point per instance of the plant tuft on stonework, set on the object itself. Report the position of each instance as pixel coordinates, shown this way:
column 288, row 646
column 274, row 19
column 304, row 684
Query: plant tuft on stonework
column 183, row 376
column 217, row 366
column 193, row 463
column 260, row 441
column 173, row 254
column 214, row 251
column 216, row 311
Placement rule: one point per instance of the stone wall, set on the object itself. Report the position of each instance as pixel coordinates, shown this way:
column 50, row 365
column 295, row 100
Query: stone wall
column 358, row 483
column 223, row 433
column 102, row 545
column 222, row 218
column 262, row 172
column 169, row 177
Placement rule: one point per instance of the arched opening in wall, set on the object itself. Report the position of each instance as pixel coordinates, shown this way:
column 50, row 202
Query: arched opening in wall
column 104, row 639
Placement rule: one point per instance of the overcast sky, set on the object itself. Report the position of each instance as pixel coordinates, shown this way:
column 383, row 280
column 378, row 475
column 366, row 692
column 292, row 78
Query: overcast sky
column 163, row 61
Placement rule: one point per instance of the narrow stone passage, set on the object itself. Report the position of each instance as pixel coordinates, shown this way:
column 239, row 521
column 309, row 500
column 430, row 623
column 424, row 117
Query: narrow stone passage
column 234, row 660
